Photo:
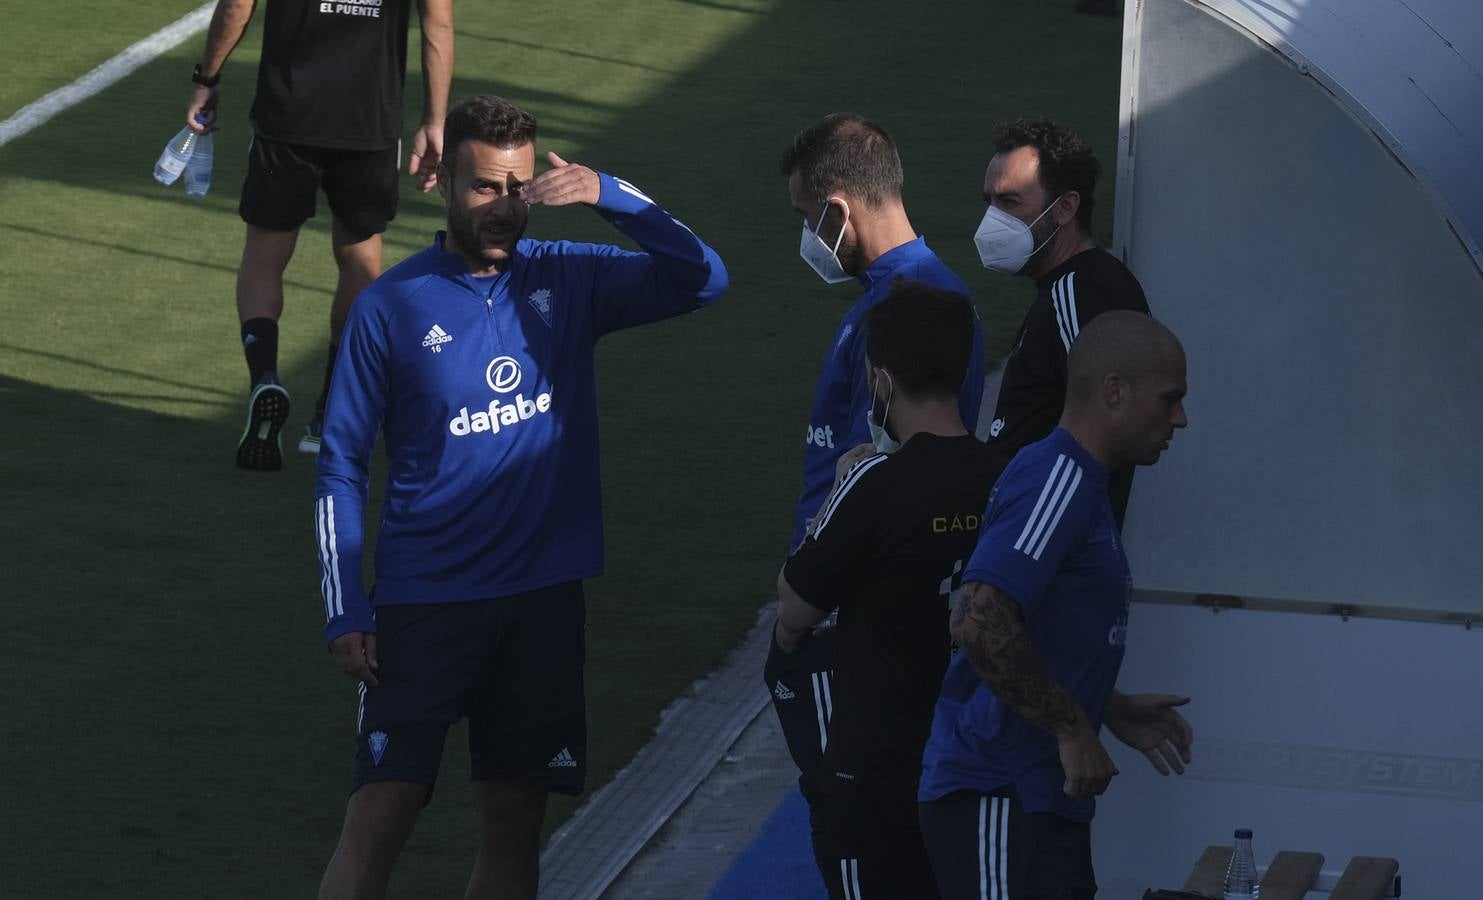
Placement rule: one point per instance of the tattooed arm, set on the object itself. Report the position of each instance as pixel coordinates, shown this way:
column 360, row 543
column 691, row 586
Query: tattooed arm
column 989, row 628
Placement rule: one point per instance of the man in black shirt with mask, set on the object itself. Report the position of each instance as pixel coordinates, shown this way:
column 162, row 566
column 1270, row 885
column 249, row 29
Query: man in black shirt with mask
column 327, row 114
column 886, row 549
column 1040, row 188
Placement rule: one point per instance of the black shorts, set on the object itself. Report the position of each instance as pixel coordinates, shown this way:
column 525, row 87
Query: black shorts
column 283, row 180
column 986, row 847
column 512, row 666
column 801, row 689
column 865, row 852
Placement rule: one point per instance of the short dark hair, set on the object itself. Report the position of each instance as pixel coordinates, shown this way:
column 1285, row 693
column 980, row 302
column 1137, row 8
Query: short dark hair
column 845, row 152
column 1131, row 343
column 493, row 120
column 924, row 336
column 1066, row 162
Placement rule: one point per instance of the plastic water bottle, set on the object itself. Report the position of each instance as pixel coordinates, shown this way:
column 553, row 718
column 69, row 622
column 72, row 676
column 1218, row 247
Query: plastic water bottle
column 175, row 156
column 1241, row 881
column 198, row 168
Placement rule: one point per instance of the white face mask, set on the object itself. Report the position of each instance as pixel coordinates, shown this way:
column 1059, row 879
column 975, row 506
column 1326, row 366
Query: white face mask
column 822, row 258
column 1005, row 244
column 883, row 442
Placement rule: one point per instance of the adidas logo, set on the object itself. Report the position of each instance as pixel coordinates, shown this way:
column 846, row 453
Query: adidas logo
column 436, row 338
column 845, row 335
column 782, row 693
column 562, row 760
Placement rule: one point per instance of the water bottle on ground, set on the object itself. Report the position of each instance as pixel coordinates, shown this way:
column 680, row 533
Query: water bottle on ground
column 198, row 169
column 175, row 156
column 1241, row 881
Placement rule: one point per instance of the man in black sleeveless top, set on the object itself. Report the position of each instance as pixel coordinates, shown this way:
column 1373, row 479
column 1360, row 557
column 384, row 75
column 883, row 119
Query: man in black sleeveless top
column 327, row 115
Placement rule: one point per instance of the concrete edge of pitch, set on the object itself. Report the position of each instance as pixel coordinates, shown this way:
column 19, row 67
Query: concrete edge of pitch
column 702, row 839
column 688, row 802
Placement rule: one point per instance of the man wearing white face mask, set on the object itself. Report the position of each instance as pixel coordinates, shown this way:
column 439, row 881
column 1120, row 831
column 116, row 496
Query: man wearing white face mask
column 1040, row 189
column 886, row 551
column 844, row 180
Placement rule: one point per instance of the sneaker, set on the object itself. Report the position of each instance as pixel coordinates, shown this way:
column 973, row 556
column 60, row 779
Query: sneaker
column 309, row 443
column 267, row 410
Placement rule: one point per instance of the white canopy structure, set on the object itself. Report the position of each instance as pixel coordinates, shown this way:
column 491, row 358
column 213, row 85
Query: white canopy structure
column 1300, row 191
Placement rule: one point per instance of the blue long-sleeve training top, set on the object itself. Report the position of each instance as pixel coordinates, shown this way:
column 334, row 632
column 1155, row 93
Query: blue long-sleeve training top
column 485, row 391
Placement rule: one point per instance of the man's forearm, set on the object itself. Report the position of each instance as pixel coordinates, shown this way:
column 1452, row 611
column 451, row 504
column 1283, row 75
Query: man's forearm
column 989, row 629
column 796, row 617
column 228, row 24
column 437, row 59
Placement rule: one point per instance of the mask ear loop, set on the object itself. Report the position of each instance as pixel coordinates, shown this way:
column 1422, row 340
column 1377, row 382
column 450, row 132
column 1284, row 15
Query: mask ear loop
column 1041, row 216
column 885, row 416
column 839, row 240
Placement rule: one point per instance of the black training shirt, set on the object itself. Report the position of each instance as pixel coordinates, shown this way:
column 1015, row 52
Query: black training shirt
column 887, row 549
column 1033, row 391
column 331, row 73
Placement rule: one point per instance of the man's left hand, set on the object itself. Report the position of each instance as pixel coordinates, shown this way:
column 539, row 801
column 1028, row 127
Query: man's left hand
column 200, row 112
column 563, row 185
column 427, row 152
column 848, row 459
column 1149, row 723
column 786, row 641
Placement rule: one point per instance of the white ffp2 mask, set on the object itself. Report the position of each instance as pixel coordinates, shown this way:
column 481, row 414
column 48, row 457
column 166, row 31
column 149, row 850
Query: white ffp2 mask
column 1005, row 244
column 883, row 441
column 822, row 258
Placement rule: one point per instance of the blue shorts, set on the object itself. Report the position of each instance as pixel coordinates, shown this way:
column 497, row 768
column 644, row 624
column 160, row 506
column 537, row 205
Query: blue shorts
column 512, row 666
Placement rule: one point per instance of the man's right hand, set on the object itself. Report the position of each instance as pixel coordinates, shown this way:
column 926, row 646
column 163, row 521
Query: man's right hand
column 1088, row 767
column 203, row 104
column 355, row 654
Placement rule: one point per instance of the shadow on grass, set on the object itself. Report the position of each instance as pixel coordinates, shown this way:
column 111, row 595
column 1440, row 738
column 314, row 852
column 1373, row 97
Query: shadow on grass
column 118, row 371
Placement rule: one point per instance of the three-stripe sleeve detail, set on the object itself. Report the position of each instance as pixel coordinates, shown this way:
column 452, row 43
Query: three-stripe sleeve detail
column 628, row 188
column 329, row 557
column 851, row 479
column 1060, row 486
column 1063, row 300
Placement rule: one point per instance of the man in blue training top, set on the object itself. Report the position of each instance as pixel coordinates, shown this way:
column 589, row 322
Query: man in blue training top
column 474, row 359
column 1014, row 762
column 844, row 178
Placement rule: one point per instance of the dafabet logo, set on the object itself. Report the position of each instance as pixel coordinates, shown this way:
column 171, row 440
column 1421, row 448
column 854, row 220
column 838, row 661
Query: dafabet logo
column 502, row 375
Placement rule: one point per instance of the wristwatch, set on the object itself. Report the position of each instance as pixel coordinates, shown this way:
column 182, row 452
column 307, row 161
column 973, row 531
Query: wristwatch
column 202, row 80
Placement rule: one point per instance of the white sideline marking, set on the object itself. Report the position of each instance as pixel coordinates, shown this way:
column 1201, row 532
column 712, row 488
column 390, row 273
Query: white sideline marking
column 34, row 114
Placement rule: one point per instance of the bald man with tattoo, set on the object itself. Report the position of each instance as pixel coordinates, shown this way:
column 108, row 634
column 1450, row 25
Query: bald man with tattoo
column 1014, row 760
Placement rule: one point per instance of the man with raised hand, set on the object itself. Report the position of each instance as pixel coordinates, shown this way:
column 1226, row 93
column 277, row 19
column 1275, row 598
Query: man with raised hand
column 845, row 180
column 474, row 360
column 1040, row 189
column 884, row 552
column 1014, row 759
column 327, row 114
